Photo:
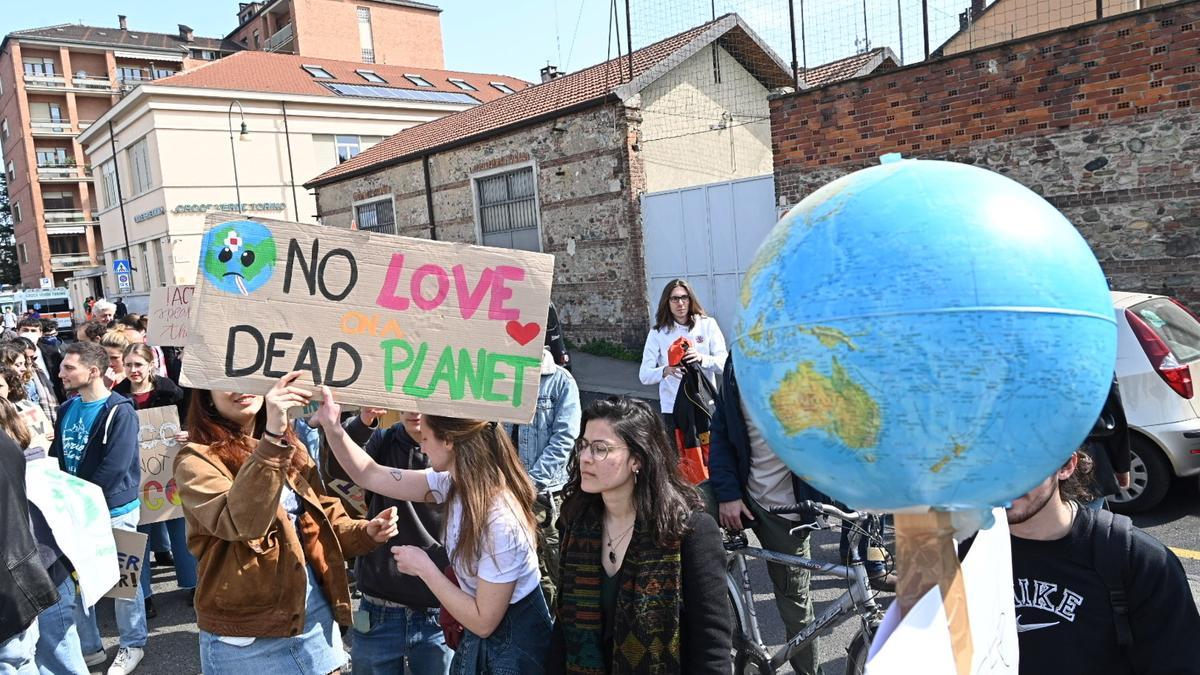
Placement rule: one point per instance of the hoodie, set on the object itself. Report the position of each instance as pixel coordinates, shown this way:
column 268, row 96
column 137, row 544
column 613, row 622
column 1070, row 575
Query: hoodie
column 111, row 459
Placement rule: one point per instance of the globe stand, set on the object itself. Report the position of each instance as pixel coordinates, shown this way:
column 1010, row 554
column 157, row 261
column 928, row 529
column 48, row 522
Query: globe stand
column 927, row 558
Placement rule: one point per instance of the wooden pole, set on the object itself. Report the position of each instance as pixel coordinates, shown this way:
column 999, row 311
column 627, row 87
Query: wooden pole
column 927, row 559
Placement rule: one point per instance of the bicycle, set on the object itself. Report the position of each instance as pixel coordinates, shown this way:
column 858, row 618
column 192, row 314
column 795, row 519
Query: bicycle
column 750, row 654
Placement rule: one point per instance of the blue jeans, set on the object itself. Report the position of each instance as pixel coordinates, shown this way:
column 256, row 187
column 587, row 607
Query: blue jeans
column 131, row 614
column 173, row 534
column 517, row 646
column 58, row 650
column 395, row 633
column 16, row 653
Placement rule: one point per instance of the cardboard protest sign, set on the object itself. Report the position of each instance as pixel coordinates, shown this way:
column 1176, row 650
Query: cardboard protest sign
column 41, row 430
column 350, row 493
column 156, row 435
column 408, row 324
column 170, row 316
column 77, row 515
column 131, row 549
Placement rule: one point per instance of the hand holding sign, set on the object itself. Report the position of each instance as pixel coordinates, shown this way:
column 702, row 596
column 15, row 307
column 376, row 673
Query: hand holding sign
column 329, row 415
column 383, row 526
column 283, row 397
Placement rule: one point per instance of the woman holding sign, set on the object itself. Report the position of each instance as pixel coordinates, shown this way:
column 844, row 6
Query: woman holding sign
column 490, row 534
column 271, row 545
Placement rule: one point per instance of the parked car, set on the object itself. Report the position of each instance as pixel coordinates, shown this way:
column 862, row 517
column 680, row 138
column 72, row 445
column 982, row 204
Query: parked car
column 1158, row 340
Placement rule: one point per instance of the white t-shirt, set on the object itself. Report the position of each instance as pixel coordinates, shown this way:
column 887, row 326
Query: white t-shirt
column 509, row 553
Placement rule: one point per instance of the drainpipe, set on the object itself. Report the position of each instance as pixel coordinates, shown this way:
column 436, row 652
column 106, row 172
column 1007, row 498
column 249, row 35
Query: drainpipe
column 112, row 137
column 429, row 199
column 291, row 171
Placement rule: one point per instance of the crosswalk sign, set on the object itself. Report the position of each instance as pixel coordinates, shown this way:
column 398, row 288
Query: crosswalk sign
column 121, row 266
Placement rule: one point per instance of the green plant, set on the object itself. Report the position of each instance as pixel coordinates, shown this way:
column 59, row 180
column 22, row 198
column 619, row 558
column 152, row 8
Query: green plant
column 610, row 349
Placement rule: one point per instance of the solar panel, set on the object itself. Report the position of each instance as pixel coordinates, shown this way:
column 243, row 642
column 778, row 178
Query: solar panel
column 370, row 91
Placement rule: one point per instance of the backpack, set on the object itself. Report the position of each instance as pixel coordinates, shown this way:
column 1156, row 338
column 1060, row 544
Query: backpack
column 1112, row 542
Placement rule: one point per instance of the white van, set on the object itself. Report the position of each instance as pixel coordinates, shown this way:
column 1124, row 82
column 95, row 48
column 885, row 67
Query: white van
column 53, row 303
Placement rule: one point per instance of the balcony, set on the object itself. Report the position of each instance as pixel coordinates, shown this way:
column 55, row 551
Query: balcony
column 63, row 173
column 85, row 84
column 281, row 39
column 62, row 229
column 66, row 217
column 70, row 262
column 46, row 82
column 51, row 128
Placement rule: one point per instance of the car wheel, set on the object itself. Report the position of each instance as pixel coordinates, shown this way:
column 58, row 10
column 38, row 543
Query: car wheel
column 1149, row 478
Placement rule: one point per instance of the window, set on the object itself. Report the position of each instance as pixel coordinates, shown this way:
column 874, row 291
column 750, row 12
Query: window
column 462, row 84
column 16, row 212
column 256, row 42
column 417, row 80
column 37, row 65
column 4, row 130
column 51, row 157
column 130, row 74
column 347, row 147
column 139, row 166
column 370, row 76
column 318, row 72
column 158, row 262
column 108, row 184
column 145, row 251
column 208, row 55
column 58, row 201
column 503, row 88
column 365, row 39
column 160, row 73
column 67, row 246
column 12, row 173
column 377, row 216
column 24, row 254
column 508, row 210
column 376, row 91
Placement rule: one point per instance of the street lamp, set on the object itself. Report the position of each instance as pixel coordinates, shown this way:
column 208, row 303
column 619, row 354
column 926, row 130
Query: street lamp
column 244, row 135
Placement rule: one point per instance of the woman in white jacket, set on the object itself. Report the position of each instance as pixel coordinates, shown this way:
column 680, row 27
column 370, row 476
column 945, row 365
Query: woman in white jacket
column 680, row 314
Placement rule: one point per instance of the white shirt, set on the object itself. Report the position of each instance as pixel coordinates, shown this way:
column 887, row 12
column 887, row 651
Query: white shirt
column 708, row 341
column 509, row 552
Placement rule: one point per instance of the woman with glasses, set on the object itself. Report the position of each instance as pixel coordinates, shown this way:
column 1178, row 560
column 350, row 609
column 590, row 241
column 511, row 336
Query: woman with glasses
column 637, row 549
column 680, row 315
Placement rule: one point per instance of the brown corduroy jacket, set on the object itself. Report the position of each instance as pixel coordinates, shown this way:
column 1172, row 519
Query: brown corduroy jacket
column 251, row 560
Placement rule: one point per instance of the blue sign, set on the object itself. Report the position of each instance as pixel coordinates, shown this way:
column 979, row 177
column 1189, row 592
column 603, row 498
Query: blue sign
column 124, row 282
column 121, row 266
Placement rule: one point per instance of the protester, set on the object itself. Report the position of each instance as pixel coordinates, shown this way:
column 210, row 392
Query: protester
column 28, row 589
column 1091, row 581
column 10, row 318
column 9, row 378
column 271, row 545
column 397, row 619
column 12, row 424
column 1108, row 447
column 680, row 315
column 120, row 308
column 46, row 358
column 147, row 390
column 91, row 331
column 104, row 311
column 50, row 335
column 114, row 343
column 629, row 508
column 96, row 439
column 87, row 307
column 545, row 446
column 490, row 535
column 12, row 355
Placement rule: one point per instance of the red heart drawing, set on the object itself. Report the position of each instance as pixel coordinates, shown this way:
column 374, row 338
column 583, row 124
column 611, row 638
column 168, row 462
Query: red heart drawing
column 523, row 333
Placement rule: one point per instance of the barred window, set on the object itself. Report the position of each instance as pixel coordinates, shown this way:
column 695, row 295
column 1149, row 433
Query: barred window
column 378, row 216
column 508, row 210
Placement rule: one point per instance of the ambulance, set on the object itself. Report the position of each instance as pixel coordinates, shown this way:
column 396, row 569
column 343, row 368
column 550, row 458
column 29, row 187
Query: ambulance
column 52, row 303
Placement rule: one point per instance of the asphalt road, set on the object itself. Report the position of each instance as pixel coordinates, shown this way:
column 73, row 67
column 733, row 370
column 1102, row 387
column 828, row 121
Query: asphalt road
column 172, row 648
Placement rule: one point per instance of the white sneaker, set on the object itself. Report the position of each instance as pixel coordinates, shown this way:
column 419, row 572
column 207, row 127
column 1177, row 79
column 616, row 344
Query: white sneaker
column 96, row 659
column 127, row 660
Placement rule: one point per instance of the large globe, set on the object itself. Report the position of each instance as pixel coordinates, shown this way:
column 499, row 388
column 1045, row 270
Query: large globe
column 924, row 333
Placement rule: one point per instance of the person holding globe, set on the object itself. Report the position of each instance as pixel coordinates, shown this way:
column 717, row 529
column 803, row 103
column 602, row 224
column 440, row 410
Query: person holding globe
column 271, row 545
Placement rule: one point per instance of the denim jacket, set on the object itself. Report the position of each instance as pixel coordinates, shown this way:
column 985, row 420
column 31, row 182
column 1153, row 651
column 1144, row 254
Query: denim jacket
column 546, row 443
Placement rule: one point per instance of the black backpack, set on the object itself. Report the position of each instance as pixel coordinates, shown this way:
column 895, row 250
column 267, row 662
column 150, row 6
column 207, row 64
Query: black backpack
column 1112, row 542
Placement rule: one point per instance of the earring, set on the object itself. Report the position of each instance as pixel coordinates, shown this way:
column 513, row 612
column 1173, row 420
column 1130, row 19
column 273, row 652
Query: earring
column 635, row 473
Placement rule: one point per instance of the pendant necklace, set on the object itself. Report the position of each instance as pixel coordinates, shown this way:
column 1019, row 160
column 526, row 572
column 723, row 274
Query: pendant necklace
column 612, row 555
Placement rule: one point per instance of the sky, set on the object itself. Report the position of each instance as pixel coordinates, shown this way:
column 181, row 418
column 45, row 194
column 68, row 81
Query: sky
column 518, row 37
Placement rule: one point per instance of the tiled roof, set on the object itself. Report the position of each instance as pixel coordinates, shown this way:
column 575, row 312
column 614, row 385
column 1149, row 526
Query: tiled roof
column 283, row 74
column 115, row 37
column 880, row 58
column 541, row 101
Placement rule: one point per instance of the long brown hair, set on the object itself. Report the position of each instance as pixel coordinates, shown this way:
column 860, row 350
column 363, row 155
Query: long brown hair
column 486, row 465
column 663, row 319
column 228, row 440
column 663, row 500
column 11, row 423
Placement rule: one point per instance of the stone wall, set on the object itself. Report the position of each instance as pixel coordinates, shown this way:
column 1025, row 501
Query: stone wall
column 1102, row 119
column 588, row 179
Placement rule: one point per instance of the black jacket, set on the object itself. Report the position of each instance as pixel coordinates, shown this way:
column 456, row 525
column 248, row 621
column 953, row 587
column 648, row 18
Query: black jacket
column 1108, row 444
column 729, row 449
column 52, row 357
column 165, row 393
column 694, row 406
column 25, row 588
column 419, row 525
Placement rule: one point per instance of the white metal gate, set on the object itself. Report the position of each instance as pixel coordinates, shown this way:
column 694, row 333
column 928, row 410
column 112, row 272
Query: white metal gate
column 708, row 235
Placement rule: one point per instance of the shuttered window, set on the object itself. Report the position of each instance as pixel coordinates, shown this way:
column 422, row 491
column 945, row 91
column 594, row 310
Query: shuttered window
column 376, row 217
column 508, row 210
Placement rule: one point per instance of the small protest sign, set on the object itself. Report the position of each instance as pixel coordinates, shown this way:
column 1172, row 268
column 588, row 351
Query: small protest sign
column 156, row 436
column 131, row 551
column 170, row 316
column 408, row 324
column 41, row 431
column 77, row 515
column 350, row 494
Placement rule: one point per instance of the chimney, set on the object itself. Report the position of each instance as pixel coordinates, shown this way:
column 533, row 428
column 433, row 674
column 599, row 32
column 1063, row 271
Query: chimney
column 550, row 72
column 977, row 7
column 186, row 34
column 121, row 20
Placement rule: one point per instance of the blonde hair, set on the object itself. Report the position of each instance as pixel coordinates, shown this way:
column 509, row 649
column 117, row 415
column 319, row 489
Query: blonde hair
column 12, row 424
column 115, row 338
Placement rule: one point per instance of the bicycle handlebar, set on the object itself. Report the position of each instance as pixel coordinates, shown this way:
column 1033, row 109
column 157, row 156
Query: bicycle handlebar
column 812, row 509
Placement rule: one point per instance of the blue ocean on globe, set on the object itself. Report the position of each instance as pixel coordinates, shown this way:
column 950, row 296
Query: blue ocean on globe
column 924, row 333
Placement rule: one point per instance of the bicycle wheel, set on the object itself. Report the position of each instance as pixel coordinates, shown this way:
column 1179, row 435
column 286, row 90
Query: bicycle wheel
column 740, row 656
column 856, row 653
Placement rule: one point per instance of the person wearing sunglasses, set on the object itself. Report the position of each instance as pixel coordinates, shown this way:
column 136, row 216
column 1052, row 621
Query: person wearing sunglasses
column 634, row 530
column 680, row 315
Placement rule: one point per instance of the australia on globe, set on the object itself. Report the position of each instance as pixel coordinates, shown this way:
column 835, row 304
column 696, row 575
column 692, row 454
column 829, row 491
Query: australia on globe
column 924, row 333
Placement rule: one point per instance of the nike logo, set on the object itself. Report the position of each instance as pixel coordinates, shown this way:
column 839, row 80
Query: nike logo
column 1022, row 627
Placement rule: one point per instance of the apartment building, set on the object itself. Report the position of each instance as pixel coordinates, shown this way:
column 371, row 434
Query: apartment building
column 55, row 82
column 394, row 32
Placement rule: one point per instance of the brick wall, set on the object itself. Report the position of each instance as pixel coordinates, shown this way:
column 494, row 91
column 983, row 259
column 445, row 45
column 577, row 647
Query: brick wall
column 588, row 179
column 1102, row 119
